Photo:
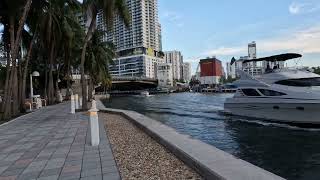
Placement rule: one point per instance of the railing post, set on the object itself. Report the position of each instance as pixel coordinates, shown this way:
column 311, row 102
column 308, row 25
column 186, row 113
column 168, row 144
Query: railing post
column 80, row 102
column 94, row 124
column 73, row 111
column 76, row 99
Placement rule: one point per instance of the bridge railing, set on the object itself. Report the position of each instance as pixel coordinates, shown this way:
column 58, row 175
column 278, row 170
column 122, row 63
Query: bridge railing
column 132, row 78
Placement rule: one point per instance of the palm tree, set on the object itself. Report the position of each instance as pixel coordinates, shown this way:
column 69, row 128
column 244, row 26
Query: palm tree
column 99, row 55
column 54, row 19
column 10, row 10
column 28, row 40
column 109, row 8
column 47, row 22
column 73, row 36
column 5, row 41
column 72, row 33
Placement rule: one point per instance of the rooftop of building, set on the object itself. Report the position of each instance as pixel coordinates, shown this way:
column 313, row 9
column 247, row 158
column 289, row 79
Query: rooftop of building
column 209, row 59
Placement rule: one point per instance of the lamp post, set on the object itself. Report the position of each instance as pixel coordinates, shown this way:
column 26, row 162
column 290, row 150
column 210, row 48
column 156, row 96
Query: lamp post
column 36, row 74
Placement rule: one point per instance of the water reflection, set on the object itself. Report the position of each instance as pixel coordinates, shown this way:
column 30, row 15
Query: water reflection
column 290, row 153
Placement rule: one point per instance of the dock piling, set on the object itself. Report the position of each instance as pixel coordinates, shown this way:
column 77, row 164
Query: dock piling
column 73, row 111
column 94, row 124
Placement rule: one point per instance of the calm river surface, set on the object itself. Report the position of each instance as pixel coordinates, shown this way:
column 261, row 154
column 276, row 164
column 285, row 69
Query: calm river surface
column 288, row 151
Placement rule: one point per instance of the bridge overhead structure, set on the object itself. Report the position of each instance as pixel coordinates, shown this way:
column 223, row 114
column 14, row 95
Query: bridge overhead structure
column 131, row 83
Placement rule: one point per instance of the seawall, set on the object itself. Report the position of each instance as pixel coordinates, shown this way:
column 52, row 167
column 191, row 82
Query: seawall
column 207, row 160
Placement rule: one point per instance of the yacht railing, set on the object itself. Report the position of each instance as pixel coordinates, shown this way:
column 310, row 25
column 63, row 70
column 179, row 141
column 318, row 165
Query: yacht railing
column 256, row 71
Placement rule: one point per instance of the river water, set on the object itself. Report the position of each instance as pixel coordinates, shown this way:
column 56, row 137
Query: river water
column 288, row 151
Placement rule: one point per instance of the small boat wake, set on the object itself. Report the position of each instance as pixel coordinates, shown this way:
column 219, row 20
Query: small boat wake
column 292, row 126
column 143, row 96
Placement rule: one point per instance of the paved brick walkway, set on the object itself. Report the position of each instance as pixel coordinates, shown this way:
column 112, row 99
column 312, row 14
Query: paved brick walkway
column 52, row 144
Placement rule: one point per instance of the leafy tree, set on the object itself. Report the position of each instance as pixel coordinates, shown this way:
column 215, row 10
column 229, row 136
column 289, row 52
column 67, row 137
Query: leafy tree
column 229, row 79
column 2, row 76
column 29, row 25
column 109, row 8
column 13, row 16
column 46, row 36
column 316, row 70
column 99, row 55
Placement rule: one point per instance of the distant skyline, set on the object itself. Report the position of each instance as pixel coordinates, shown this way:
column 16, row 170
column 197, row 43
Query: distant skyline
column 224, row 28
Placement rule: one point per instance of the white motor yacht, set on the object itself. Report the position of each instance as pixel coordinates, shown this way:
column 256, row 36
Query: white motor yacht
column 277, row 94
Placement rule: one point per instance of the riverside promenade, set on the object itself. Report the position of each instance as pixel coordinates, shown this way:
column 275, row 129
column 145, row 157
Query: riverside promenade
column 52, row 144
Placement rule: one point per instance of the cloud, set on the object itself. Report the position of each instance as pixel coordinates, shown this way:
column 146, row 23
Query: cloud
column 302, row 8
column 295, row 8
column 305, row 41
column 226, row 51
column 192, row 59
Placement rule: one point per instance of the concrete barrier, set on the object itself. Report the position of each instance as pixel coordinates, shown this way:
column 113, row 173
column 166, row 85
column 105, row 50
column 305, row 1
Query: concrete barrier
column 73, row 105
column 76, row 100
column 208, row 161
column 94, row 124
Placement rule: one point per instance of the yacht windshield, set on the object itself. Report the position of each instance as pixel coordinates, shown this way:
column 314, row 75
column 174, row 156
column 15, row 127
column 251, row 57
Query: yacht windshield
column 304, row 82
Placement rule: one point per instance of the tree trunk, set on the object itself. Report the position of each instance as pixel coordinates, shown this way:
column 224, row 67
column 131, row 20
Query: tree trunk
column 83, row 59
column 50, row 84
column 46, row 80
column 8, row 98
column 15, row 92
column 6, row 85
column 68, row 93
column 57, row 85
column 20, row 84
column 14, row 42
column 24, row 78
column 25, row 73
column 90, row 89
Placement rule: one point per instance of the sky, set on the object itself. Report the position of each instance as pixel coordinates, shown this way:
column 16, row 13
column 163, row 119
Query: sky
column 223, row 29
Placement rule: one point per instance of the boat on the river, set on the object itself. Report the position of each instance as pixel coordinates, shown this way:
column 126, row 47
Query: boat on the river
column 288, row 95
column 145, row 94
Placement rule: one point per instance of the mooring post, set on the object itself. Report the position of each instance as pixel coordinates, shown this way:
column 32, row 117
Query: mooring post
column 73, row 111
column 80, row 101
column 94, row 124
column 76, row 99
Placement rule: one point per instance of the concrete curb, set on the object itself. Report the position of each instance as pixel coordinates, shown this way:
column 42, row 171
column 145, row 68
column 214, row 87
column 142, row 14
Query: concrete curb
column 208, row 161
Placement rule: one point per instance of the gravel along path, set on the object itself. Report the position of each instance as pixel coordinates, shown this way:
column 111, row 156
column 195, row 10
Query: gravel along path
column 140, row 157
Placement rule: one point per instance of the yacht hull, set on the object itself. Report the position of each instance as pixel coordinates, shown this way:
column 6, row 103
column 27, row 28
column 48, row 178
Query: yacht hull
column 286, row 110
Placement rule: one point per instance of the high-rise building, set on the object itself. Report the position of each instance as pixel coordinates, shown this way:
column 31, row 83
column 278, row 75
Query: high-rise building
column 186, row 72
column 3, row 59
column 138, row 45
column 101, row 26
column 142, row 32
column 231, row 70
column 176, row 59
column 159, row 37
column 164, row 73
column 210, row 71
column 136, row 65
column 252, row 50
